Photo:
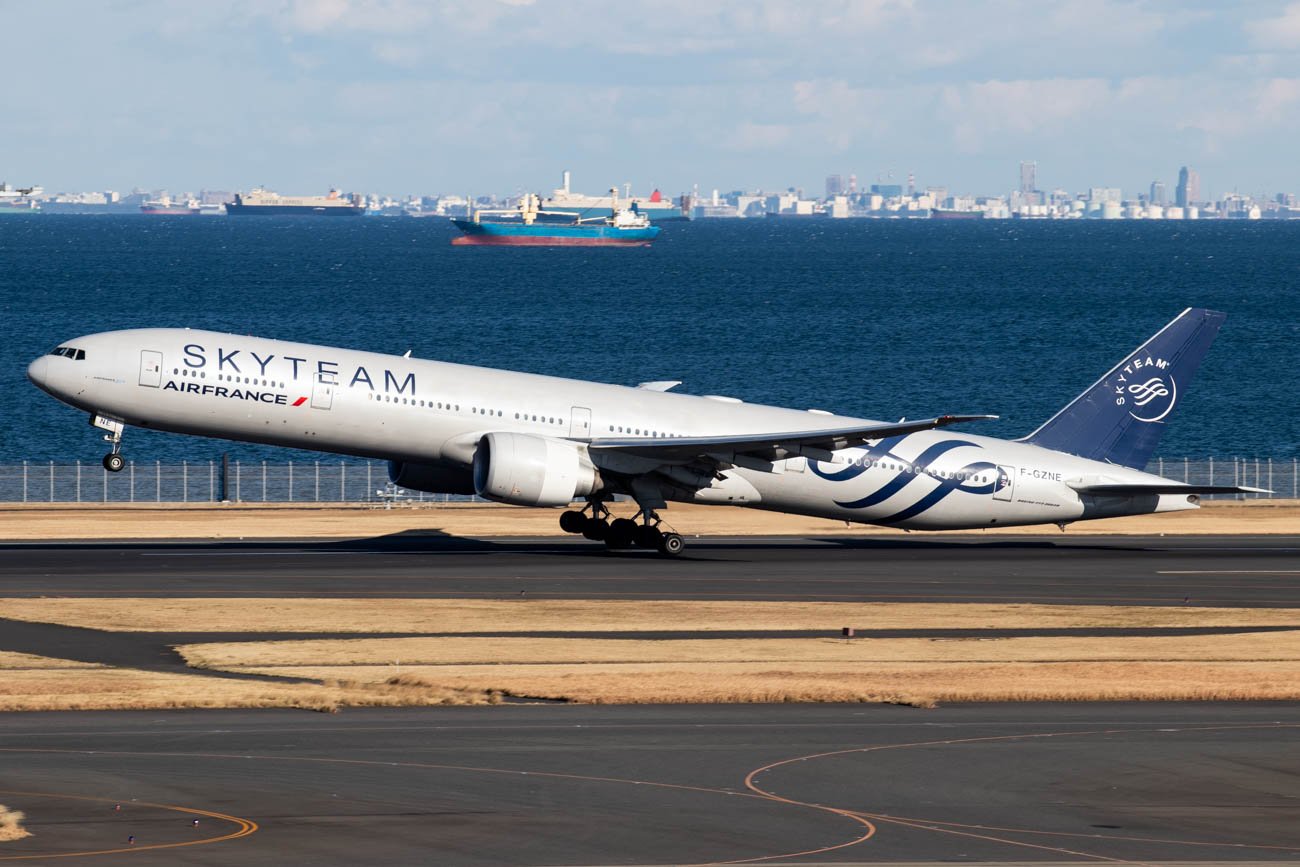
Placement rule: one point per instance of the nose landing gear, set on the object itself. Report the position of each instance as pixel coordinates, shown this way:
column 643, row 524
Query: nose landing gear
column 113, row 461
column 622, row 533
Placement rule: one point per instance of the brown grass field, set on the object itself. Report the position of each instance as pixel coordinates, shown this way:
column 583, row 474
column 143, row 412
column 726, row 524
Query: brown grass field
column 560, row 615
column 476, row 670
column 11, row 825
column 330, row 521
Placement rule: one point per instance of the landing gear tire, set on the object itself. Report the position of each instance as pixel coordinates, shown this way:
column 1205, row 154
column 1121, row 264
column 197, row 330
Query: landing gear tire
column 648, row 536
column 595, row 529
column 622, row 532
column 671, row 545
column 573, row 521
column 114, row 462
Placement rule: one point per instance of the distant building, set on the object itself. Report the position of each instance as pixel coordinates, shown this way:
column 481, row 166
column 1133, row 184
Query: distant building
column 1189, row 188
column 834, row 186
column 888, row 190
column 1028, row 177
column 1157, row 196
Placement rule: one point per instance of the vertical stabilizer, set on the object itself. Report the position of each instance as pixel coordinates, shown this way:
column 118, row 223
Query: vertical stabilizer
column 1121, row 417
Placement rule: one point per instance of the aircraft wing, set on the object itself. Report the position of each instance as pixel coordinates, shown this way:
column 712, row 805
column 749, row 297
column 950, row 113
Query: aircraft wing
column 816, row 444
column 1137, row 490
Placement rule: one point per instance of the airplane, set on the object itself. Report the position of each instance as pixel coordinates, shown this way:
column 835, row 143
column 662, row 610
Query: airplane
column 532, row 440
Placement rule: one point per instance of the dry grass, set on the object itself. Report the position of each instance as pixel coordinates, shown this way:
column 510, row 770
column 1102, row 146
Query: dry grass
column 911, row 671
column 282, row 521
column 127, row 689
column 555, row 615
column 11, row 825
column 1242, row 647
column 465, row 670
column 919, row 684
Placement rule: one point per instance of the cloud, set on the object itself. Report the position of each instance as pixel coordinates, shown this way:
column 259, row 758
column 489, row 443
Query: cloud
column 1278, row 33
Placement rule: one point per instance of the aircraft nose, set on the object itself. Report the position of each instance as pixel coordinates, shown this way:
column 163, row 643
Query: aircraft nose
column 36, row 371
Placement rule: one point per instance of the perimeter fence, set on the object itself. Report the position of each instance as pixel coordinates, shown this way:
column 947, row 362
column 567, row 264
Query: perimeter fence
column 356, row 481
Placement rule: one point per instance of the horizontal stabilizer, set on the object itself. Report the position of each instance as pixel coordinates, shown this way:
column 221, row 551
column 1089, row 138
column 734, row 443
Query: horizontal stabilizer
column 1138, row 490
column 770, row 446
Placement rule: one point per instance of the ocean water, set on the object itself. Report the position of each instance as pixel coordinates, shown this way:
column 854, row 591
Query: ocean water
column 880, row 319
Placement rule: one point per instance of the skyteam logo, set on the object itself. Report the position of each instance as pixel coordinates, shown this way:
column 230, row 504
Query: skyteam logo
column 979, row 477
column 1146, row 388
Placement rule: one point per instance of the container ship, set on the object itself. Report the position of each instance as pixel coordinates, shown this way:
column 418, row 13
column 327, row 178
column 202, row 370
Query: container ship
column 168, row 208
column 260, row 201
column 533, row 226
column 655, row 207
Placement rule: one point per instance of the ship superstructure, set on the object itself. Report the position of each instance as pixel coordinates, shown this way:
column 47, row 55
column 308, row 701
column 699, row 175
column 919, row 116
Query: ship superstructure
column 19, row 200
column 655, row 207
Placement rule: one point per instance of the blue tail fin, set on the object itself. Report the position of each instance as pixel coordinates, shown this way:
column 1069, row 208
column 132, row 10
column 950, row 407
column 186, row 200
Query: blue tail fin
column 1121, row 417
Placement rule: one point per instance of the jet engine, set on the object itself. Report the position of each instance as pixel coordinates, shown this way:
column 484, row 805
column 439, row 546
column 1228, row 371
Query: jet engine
column 436, row 478
column 528, row 470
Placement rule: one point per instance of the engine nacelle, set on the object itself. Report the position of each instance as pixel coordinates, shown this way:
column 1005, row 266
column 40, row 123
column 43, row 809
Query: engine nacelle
column 528, row 470
column 434, row 478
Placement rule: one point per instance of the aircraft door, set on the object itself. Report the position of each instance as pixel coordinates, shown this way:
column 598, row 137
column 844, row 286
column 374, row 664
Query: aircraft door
column 322, row 391
column 1005, row 484
column 580, row 423
column 150, row 368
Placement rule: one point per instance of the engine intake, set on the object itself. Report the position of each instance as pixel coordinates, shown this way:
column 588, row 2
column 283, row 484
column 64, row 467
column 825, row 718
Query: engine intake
column 528, row 470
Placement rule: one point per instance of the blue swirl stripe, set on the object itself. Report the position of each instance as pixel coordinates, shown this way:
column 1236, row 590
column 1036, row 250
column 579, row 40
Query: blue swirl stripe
column 946, row 487
column 922, row 463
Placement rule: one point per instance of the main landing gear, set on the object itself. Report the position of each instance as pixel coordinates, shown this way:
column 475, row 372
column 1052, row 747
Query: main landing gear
column 113, row 461
column 618, row 533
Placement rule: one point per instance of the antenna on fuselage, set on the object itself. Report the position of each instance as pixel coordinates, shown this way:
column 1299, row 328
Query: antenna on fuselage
column 406, row 354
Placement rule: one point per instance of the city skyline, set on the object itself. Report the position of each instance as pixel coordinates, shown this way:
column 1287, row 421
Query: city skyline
column 501, row 96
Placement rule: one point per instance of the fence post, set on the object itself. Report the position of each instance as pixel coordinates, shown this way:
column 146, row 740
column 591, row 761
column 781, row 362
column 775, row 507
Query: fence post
column 185, row 481
column 1295, row 493
column 318, row 481
column 1186, row 475
column 291, row 481
column 370, row 486
column 263, row 481
column 24, row 481
column 1160, row 464
column 157, row 481
column 1211, row 470
column 212, row 481
column 343, row 481
column 104, row 492
column 78, row 480
column 239, row 494
column 131, row 475
column 51, row 481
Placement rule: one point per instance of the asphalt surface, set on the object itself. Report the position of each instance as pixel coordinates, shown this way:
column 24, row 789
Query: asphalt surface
column 571, row 785
column 567, row 785
column 1261, row 571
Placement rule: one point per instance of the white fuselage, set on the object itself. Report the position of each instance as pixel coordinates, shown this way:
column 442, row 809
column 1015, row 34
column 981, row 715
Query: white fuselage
column 410, row 410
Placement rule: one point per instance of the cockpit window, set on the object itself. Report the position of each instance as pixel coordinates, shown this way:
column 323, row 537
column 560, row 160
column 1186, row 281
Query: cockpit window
column 69, row 352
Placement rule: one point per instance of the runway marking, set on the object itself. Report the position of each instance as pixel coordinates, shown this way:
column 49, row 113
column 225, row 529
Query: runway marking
column 245, row 826
column 1229, row 572
column 429, row 766
column 928, row 825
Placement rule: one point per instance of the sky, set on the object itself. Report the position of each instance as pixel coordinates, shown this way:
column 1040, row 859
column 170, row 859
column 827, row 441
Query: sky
column 500, row 96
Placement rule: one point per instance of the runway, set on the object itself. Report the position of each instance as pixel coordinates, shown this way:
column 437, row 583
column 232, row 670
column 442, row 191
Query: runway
column 1260, row 571
column 551, row 784
column 565, row 785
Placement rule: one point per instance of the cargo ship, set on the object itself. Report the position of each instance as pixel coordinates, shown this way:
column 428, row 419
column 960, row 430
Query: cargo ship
column 656, row 207
column 18, row 200
column 264, row 202
column 168, row 208
column 533, row 226
column 942, row 214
